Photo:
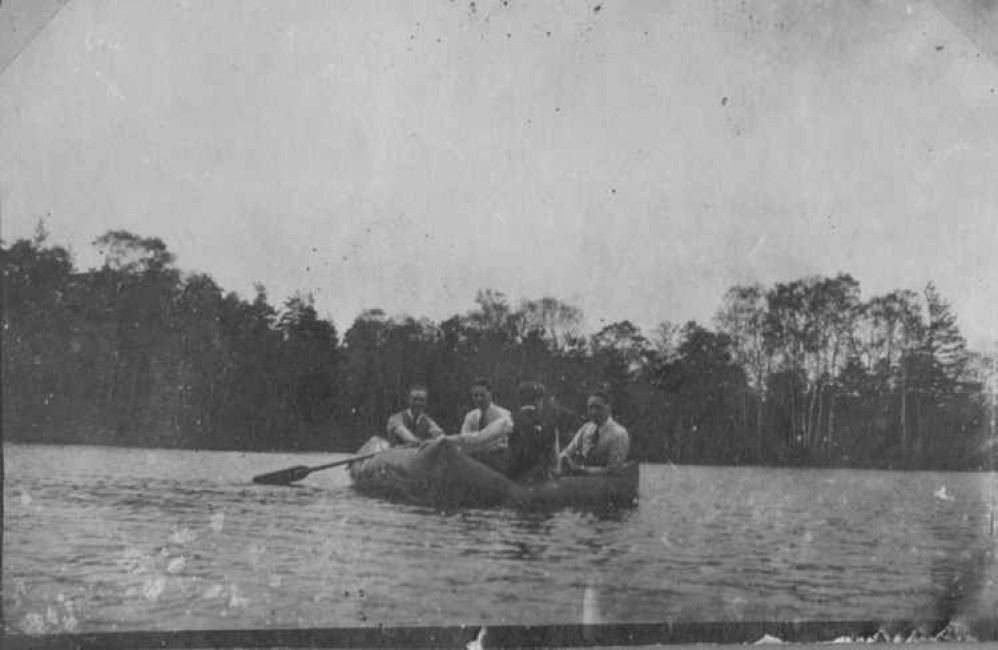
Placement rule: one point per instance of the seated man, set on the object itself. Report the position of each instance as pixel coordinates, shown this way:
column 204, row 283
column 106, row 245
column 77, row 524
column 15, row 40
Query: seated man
column 413, row 426
column 532, row 445
column 485, row 433
column 601, row 446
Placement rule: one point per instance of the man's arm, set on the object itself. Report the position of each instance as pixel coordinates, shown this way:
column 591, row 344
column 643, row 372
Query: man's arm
column 396, row 427
column 469, row 423
column 435, row 430
column 496, row 430
column 573, row 447
column 549, row 449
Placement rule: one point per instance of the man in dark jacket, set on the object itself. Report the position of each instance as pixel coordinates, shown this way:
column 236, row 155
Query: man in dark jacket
column 413, row 426
column 532, row 452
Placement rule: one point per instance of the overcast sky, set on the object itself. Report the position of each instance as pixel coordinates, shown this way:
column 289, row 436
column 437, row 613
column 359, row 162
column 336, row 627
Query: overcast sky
column 633, row 158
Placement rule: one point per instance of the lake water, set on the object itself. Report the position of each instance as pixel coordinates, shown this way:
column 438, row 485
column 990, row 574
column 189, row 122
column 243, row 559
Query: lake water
column 102, row 539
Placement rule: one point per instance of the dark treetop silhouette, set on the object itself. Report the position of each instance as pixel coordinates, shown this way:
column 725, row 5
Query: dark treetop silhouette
column 804, row 372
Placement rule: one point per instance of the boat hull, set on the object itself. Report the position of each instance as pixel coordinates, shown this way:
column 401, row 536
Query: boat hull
column 440, row 475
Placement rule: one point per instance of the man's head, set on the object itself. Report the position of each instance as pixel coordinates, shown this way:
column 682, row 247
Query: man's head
column 418, row 397
column 530, row 393
column 481, row 393
column 598, row 406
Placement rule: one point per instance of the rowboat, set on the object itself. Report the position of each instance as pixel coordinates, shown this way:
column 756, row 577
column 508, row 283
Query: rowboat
column 441, row 475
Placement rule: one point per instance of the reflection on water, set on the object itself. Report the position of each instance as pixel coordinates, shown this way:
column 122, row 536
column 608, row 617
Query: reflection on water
column 105, row 539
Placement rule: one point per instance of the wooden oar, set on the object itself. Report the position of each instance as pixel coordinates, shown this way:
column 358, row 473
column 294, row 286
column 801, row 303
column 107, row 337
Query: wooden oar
column 298, row 472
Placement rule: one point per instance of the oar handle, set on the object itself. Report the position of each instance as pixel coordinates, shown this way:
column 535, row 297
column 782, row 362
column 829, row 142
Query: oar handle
column 292, row 474
column 345, row 461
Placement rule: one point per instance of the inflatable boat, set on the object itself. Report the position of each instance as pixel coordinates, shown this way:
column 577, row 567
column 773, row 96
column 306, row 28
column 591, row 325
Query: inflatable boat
column 441, row 475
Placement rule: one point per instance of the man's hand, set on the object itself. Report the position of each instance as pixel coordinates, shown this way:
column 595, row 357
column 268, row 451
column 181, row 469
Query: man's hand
column 426, row 444
column 408, row 438
column 456, row 439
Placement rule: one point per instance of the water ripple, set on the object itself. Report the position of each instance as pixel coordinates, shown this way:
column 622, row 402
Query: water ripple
column 104, row 539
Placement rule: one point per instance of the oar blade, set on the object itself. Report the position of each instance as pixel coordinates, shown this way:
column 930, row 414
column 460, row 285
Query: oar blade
column 283, row 476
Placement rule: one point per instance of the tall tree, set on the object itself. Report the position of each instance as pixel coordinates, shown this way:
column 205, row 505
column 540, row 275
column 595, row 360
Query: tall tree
column 703, row 382
column 620, row 352
column 945, row 345
column 897, row 328
column 37, row 331
column 556, row 321
column 743, row 318
column 837, row 307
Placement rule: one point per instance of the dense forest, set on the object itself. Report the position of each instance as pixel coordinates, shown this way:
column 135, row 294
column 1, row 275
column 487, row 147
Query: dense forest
column 805, row 372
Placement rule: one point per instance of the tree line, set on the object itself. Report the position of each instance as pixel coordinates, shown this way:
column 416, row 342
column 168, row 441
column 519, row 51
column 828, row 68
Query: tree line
column 805, row 372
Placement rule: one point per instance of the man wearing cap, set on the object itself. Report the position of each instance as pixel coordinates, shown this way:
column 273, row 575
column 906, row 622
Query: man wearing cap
column 532, row 443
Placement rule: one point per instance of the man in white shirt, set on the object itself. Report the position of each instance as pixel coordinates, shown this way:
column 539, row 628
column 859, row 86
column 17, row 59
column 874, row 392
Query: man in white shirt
column 601, row 445
column 485, row 431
